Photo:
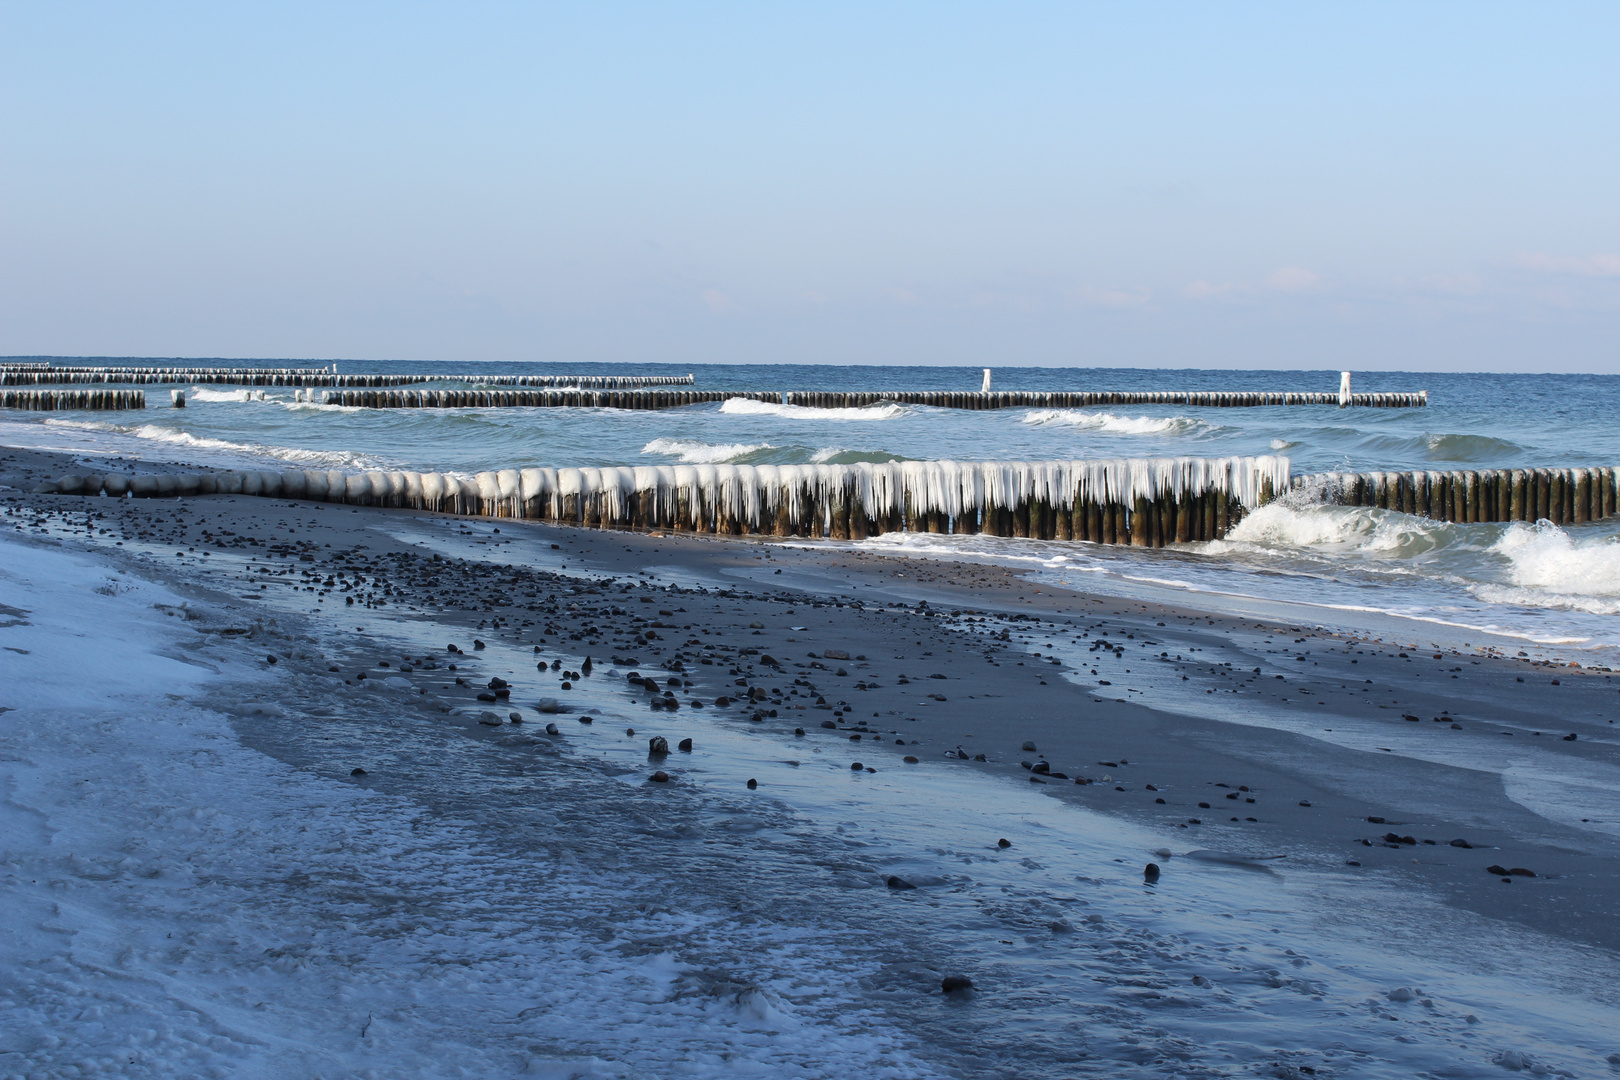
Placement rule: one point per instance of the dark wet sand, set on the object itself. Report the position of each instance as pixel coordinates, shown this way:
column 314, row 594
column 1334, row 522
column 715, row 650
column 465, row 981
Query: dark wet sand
column 685, row 607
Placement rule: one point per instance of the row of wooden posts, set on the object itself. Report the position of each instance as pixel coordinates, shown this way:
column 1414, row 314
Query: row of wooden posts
column 1143, row 502
column 944, row 399
column 548, row 398
column 30, row 376
column 1561, row 496
column 845, row 502
column 57, row 400
column 1071, row 399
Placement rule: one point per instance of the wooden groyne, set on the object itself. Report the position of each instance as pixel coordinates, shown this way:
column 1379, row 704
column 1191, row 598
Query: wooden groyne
column 60, row 400
column 1073, row 399
column 548, row 398
column 1561, row 496
column 46, row 375
column 941, row 399
column 1146, row 502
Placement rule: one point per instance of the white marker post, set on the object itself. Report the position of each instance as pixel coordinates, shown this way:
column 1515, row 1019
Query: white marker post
column 985, row 389
column 1344, row 389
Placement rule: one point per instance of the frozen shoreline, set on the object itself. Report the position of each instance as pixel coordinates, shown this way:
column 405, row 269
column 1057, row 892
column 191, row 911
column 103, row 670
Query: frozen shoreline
column 451, row 778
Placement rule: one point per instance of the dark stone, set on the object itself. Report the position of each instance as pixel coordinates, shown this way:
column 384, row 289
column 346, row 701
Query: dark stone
column 1375, row 820
column 1304, row 803
column 684, row 746
column 1461, row 844
column 357, row 771
column 1004, row 843
column 798, row 731
column 828, row 724
column 1040, row 767
column 1159, row 801
column 1571, row 737
column 657, row 746
column 1151, row 871
column 1519, row 871
column 1203, row 806
column 551, row 729
column 270, row 659
column 477, row 644
column 498, row 684
column 486, row 696
column 659, row 777
column 752, row 783
column 955, row 984
column 898, row 883
column 856, row 767
column 722, row 701
column 1499, row 871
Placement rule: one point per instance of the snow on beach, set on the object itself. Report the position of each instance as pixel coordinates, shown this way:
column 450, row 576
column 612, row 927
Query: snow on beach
column 181, row 905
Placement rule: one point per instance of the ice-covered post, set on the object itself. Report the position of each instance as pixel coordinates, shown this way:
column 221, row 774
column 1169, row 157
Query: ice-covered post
column 1344, row 389
column 985, row 387
column 178, row 398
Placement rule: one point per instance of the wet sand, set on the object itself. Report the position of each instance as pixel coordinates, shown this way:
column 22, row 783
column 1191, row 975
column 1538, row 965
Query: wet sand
column 945, row 661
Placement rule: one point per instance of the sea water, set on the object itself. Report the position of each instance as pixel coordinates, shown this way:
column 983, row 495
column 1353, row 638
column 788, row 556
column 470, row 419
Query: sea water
column 1540, row 588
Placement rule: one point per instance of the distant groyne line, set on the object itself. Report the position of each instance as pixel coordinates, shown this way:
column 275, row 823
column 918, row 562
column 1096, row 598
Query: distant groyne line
column 47, row 375
column 941, row 399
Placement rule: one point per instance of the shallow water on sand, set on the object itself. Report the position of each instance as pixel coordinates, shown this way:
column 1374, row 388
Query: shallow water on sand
column 1224, row 966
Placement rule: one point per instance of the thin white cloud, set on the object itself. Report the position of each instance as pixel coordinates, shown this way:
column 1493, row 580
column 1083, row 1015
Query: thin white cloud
column 1293, row 279
column 1606, row 265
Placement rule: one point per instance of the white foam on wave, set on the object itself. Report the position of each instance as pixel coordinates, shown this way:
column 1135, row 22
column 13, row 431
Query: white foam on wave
column 748, row 407
column 155, row 433
column 692, row 452
column 1343, row 529
column 1110, row 424
column 1547, row 567
column 202, row 394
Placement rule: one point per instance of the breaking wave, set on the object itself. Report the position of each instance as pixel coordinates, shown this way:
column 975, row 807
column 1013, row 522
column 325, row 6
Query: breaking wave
column 1111, row 424
column 155, row 433
column 747, row 407
column 692, row 452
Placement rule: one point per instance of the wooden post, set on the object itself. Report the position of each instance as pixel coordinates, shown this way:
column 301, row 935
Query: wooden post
column 1141, row 523
column 1583, row 497
column 1184, row 524
column 1516, row 490
column 1472, row 494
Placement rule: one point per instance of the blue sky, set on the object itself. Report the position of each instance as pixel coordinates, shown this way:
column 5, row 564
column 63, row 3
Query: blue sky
column 1421, row 186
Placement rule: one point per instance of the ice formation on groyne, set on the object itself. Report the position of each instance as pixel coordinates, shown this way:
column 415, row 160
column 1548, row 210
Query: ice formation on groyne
column 1142, row 501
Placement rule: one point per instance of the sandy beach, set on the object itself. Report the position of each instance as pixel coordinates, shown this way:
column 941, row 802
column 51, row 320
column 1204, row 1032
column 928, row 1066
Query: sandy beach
column 505, row 679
